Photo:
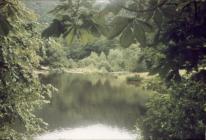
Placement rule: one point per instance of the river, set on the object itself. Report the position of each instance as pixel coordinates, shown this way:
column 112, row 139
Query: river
column 92, row 106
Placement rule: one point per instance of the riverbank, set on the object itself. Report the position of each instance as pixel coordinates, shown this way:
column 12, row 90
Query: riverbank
column 119, row 74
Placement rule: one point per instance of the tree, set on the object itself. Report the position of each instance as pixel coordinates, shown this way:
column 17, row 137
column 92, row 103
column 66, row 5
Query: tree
column 74, row 20
column 115, row 58
column 172, row 36
column 176, row 43
column 174, row 29
column 53, row 54
column 175, row 113
column 20, row 91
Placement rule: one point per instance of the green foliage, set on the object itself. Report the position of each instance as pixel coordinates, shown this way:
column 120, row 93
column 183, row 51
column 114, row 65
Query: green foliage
column 127, row 37
column 180, row 39
column 117, row 60
column 172, row 36
column 74, row 20
column 177, row 42
column 176, row 113
column 20, row 90
column 78, row 51
column 160, row 25
column 118, row 24
column 115, row 57
column 130, row 30
column 135, row 78
column 53, row 54
column 42, row 8
column 4, row 27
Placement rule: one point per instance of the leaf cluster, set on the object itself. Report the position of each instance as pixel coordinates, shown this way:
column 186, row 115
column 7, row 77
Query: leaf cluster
column 74, row 20
column 20, row 90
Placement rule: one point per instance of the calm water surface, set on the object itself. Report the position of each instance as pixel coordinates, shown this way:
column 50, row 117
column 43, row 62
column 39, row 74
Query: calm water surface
column 92, row 106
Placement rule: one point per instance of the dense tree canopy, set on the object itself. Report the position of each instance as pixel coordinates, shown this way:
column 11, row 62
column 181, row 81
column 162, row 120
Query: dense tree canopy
column 171, row 31
column 74, row 19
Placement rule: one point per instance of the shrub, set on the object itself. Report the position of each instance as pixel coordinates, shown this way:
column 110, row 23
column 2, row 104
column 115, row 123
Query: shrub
column 134, row 79
column 179, row 113
column 54, row 55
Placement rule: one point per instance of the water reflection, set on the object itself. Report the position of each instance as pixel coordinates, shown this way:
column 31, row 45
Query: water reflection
column 93, row 132
column 84, row 101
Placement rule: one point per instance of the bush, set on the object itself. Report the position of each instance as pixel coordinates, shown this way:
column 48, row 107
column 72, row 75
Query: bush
column 78, row 51
column 134, row 79
column 179, row 113
column 54, row 54
column 116, row 60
